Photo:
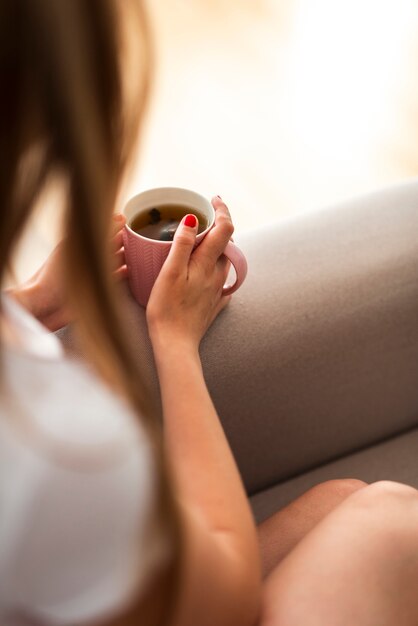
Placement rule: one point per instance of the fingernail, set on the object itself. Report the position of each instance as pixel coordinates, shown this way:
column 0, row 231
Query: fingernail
column 190, row 221
column 219, row 197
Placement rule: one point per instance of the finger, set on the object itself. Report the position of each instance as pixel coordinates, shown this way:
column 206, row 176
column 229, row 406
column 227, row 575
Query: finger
column 121, row 273
column 119, row 259
column 217, row 238
column 223, row 302
column 224, row 262
column 117, row 223
column 183, row 243
column 224, row 265
column 117, row 241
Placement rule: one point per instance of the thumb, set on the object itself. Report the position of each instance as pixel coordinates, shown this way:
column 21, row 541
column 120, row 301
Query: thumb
column 183, row 242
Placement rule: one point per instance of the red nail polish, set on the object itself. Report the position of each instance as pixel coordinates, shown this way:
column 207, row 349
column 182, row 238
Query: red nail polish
column 190, row 221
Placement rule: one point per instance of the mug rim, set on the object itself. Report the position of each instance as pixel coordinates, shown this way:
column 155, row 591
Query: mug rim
column 168, row 189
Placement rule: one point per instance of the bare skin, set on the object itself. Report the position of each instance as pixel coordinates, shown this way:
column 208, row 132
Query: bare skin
column 342, row 554
column 358, row 565
column 281, row 532
column 44, row 293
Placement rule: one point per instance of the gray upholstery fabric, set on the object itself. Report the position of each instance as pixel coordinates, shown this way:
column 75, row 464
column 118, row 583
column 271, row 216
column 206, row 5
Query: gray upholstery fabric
column 317, row 354
column 394, row 459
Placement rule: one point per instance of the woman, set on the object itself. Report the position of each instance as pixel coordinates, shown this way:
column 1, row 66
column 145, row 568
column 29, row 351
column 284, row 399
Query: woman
column 105, row 518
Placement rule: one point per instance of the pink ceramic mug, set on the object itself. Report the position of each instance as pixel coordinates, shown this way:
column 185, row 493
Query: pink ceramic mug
column 145, row 257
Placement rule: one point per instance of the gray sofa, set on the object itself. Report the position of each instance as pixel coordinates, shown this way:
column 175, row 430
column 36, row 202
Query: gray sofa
column 313, row 367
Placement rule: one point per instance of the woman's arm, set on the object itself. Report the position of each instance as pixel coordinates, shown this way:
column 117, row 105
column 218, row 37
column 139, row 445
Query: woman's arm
column 222, row 576
column 204, row 467
column 222, row 579
column 44, row 295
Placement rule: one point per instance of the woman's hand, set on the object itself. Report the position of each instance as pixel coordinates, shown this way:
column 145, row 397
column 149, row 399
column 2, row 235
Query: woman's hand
column 43, row 295
column 187, row 295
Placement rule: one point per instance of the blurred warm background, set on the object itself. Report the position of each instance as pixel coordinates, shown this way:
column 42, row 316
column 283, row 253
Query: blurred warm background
column 279, row 106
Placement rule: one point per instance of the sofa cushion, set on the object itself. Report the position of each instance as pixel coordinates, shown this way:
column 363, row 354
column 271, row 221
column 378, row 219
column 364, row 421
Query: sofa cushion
column 317, row 354
column 395, row 459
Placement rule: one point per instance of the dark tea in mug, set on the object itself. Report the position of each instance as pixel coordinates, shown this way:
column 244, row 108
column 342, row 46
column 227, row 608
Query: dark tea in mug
column 161, row 222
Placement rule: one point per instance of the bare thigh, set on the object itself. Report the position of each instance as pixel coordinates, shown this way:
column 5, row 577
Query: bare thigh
column 281, row 532
column 358, row 566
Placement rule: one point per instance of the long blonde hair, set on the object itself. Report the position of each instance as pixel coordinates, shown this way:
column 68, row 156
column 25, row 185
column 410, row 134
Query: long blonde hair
column 67, row 101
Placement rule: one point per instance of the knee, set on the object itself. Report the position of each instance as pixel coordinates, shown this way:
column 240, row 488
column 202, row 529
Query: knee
column 338, row 489
column 388, row 492
column 390, row 511
column 345, row 486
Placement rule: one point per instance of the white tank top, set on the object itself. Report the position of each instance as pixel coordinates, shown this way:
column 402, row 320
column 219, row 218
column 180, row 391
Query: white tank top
column 76, row 486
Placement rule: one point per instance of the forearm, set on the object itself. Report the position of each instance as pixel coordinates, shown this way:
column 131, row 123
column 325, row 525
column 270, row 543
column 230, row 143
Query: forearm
column 25, row 295
column 33, row 298
column 205, row 471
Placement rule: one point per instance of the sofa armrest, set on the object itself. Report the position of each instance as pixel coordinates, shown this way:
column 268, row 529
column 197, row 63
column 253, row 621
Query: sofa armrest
column 317, row 354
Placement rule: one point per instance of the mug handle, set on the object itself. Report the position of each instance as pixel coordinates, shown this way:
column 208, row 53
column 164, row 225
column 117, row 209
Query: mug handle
column 238, row 260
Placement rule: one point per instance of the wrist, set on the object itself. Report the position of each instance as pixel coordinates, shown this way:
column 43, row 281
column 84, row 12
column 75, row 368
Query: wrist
column 169, row 344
